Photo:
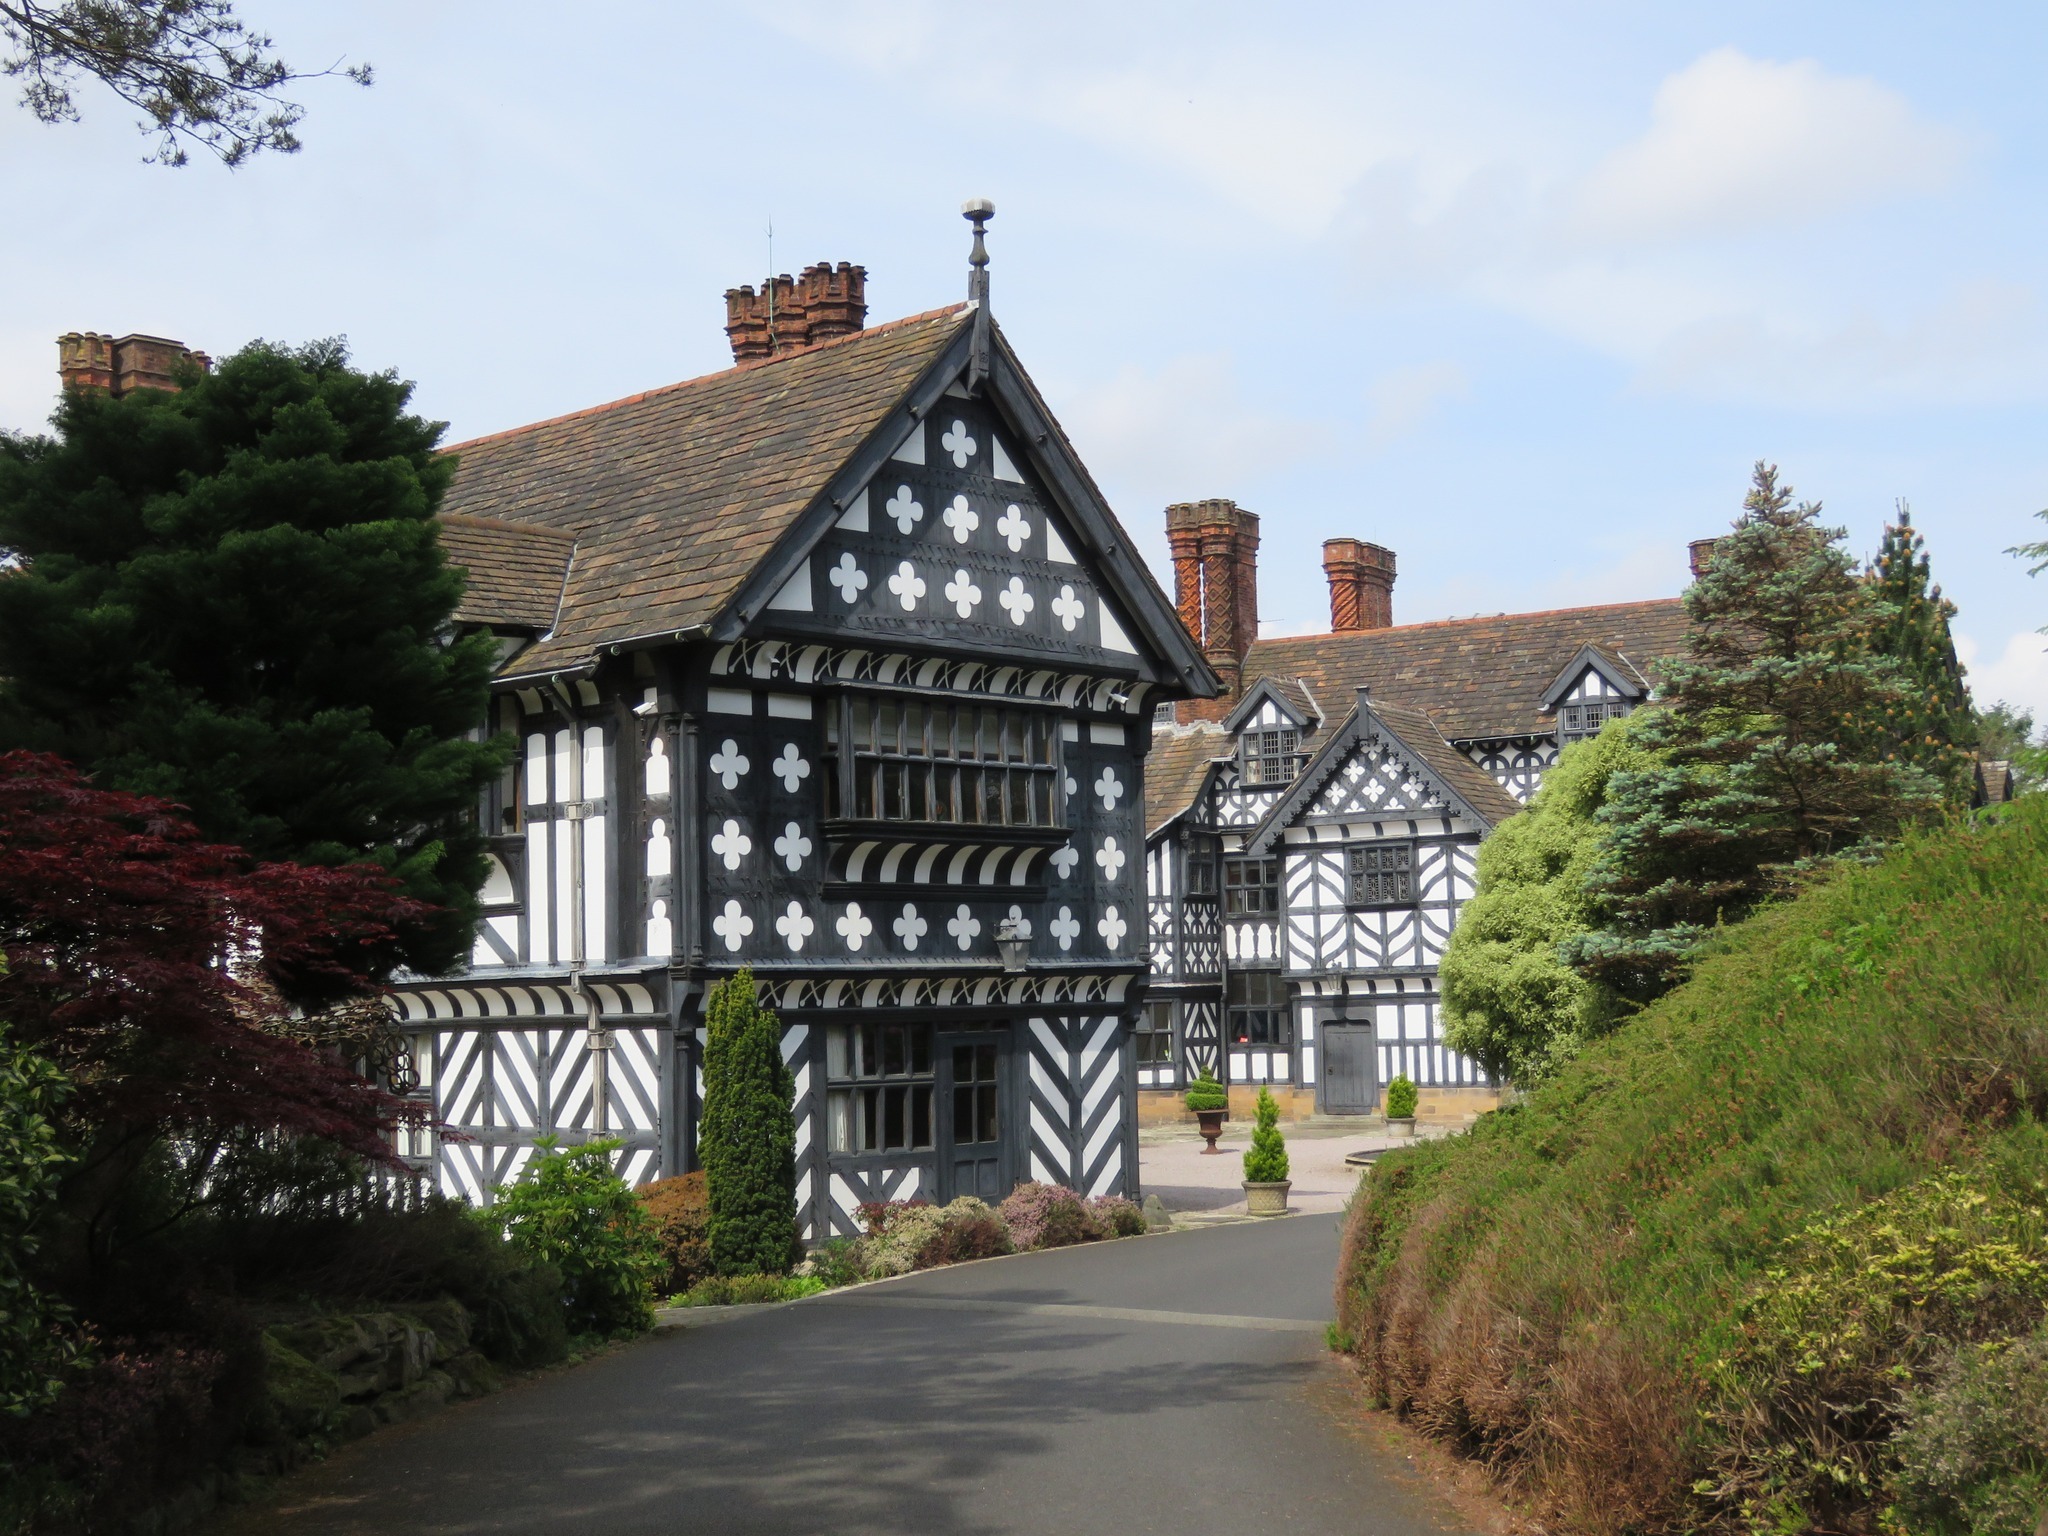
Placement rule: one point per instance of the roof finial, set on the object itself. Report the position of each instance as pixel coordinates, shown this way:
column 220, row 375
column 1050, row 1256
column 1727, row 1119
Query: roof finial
column 978, row 211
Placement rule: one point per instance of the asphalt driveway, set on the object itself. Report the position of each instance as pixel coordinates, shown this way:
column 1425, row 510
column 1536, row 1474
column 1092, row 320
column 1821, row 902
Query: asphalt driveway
column 1174, row 1384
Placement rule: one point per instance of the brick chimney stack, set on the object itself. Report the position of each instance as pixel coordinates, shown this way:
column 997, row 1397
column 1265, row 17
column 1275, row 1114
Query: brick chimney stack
column 789, row 313
column 89, row 360
column 1215, row 548
column 1361, row 585
column 1700, row 555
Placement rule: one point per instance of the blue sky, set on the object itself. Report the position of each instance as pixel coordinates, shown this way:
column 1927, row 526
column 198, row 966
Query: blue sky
column 1520, row 292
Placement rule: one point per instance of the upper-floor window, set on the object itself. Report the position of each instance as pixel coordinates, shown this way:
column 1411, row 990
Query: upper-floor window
column 1575, row 722
column 1154, row 1038
column 913, row 760
column 1382, row 874
column 1201, row 872
column 1259, row 1011
column 1272, row 757
column 1251, row 887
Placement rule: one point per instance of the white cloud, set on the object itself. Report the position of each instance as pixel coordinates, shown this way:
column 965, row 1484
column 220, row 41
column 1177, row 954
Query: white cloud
column 2018, row 676
column 1407, row 397
column 1737, row 144
column 1182, row 431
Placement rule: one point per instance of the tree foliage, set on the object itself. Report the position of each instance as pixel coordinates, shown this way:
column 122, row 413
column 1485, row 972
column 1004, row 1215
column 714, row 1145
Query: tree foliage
column 34, row 1350
column 1912, row 627
column 1265, row 1160
column 233, row 597
column 197, row 72
column 1509, row 1001
column 572, row 1210
column 748, row 1137
column 1788, row 738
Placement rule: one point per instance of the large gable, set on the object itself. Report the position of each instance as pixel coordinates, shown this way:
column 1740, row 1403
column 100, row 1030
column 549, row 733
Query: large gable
column 1477, row 679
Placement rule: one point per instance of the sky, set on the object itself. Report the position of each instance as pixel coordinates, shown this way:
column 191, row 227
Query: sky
column 1519, row 292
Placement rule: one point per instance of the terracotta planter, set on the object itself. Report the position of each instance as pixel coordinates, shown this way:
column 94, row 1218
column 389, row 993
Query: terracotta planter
column 1405, row 1126
column 1211, row 1123
column 1267, row 1199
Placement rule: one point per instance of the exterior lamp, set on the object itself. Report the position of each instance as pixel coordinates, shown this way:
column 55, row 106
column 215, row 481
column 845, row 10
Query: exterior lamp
column 1013, row 940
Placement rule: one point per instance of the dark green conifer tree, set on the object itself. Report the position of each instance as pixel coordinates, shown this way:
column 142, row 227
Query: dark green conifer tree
column 1784, row 738
column 1938, row 726
column 233, row 596
column 747, row 1141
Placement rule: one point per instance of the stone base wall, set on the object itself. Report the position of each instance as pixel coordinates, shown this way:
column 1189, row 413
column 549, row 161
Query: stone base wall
column 1435, row 1106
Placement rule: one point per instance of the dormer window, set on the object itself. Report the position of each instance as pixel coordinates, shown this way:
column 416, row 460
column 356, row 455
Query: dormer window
column 1272, row 756
column 1575, row 722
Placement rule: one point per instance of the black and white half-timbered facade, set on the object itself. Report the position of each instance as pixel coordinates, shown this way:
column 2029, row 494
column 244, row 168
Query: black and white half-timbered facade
column 1311, row 835
column 835, row 667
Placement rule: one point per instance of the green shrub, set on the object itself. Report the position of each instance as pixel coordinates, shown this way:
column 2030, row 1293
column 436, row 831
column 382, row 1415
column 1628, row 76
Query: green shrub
column 1118, row 1217
column 1206, row 1093
column 748, row 1136
column 1047, row 1216
column 1265, row 1161
column 681, row 1209
column 36, row 1353
column 569, row 1209
column 1551, row 1290
column 837, row 1261
column 1972, row 1452
column 748, row 1290
column 1401, row 1098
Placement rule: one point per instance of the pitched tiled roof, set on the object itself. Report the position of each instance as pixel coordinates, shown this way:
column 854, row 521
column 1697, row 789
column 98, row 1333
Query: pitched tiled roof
column 1476, row 678
column 514, row 571
column 1176, row 768
column 674, row 496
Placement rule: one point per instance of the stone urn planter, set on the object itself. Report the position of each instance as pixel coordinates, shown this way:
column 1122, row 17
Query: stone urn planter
column 1402, row 1125
column 1210, row 1123
column 1267, row 1199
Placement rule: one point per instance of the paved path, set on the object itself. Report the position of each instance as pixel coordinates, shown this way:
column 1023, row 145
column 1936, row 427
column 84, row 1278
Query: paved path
column 1174, row 1384
column 1173, row 1165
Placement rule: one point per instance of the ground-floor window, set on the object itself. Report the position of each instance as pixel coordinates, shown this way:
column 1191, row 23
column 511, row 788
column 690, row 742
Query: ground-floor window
column 1259, row 1010
column 1155, row 1034
column 879, row 1084
column 975, row 1093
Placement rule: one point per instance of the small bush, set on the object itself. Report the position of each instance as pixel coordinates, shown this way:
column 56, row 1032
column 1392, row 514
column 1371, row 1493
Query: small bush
column 569, row 1209
column 681, row 1209
column 1206, row 1093
column 1117, row 1217
column 836, row 1262
column 1401, row 1098
column 1265, row 1161
column 748, row 1290
column 1973, row 1448
column 899, row 1236
column 969, row 1230
column 1048, row 1216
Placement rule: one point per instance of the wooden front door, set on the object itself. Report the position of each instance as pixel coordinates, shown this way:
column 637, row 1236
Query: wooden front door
column 1349, row 1086
column 972, row 1112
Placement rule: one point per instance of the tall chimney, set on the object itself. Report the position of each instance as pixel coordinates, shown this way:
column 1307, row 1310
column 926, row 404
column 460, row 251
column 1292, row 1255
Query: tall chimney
column 1361, row 585
column 1700, row 555
column 834, row 304
column 89, row 360
column 789, row 313
column 1215, row 548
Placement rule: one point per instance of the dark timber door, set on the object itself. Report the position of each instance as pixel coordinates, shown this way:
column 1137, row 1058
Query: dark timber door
column 971, row 1125
column 1348, row 1086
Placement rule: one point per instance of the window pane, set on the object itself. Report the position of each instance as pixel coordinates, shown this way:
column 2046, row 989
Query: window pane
column 921, row 1117
column 913, row 728
column 963, row 1063
column 895, row 1119
column 985, row 1061
column 895, row 1052
column 985, row 1120
column 921, row 1050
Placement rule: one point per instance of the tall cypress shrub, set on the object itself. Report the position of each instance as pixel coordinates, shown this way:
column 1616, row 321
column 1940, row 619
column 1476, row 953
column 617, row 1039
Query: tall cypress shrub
column 1936, row 723
column 747, row 1141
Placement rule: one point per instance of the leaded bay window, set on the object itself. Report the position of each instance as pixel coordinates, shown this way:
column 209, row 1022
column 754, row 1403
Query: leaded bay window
column 1259, row 1009
column 1155, row 1034
column 1251, row 887
column 1272, row 757
column 1383, row 875
column 878, row 1087
column 1575, row 722
column 916, row 760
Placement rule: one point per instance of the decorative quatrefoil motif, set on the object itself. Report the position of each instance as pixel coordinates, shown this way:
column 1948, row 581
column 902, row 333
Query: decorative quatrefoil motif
column 1112, row 927
column 792, row 847
column 905, row 508
column 729, row 763
column 907, row 585
column 959, row 444
column 855, row 926
column 1110, row 787
column 964, row 926
column 1015, row 527
column 1067, row 608
column 731, row 844
column 790, row 768
column 1017, row 603
column 963, row 594
column 732, row 925
column 910, row 928
column 1065, row 928
column 795, row 925
column 851, row 580
column 1110, row 858
column 961, row 518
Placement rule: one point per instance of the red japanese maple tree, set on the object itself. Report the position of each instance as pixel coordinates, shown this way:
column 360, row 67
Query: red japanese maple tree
column 170, row 978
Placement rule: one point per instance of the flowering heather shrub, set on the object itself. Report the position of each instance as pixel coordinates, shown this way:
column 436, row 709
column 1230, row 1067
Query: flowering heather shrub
column 876, row 1215
column 1048, row 1216
column 1973, row 1448
column 970, row 1231
column 899, row 1236
column 1116, row 1216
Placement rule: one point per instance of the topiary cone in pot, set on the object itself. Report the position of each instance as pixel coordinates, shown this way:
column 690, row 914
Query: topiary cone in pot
column 1210, row 1102
column 1265, row 1163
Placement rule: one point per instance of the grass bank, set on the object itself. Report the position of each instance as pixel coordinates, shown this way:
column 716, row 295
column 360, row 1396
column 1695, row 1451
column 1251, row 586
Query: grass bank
column 1738, row 1266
